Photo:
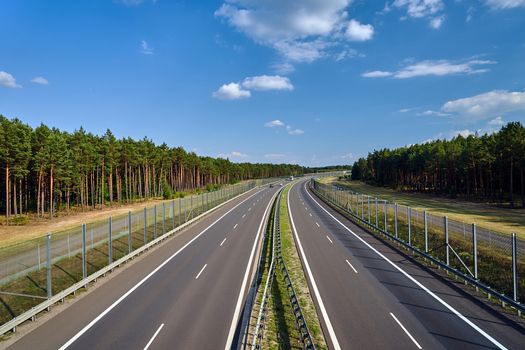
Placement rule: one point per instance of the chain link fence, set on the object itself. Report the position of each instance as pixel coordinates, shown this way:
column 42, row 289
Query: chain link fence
column 493, row 259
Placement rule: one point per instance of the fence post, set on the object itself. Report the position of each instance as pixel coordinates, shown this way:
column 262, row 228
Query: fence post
column 110, row 240
column 145, row 225
column 191, row 206
column 377, row 215
column 368, row 199
column 48, row 248
column 173, row 214
column 426, row 230
column 446, row 240
column 130, row 242
column 514, row 267
column 84, row 266
column 475, row 249
column 362, row 206
column 163, row 218
column 386, row 208
column 180, row 209
column 395, row 219
column 409, row 214
column 155, row 222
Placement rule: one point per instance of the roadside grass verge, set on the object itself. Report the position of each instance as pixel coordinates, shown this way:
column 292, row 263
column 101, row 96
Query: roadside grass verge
column 502, row 220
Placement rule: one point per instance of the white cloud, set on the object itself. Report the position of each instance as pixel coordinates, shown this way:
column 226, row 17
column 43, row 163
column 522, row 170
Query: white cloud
column 274, row 155
column 486, row 105
column 274, row 123
column 294, row 132
column 233, row 154
column 231, row 91
column 283, row 67
column 505, row 4
column 40, row 80
column 498, row 121
column 434, row 113
column 145, row 49
column 134, row 2
column 420, row 8
column 267, row 82
column 435, row 68
column 405, row 110
column 377, row 74
column 436, row 22
column 356, row 31
column 430, row 9
column 7, row 80
column 300, row 31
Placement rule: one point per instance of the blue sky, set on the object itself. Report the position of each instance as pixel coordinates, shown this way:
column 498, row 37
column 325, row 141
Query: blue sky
column 313, row 82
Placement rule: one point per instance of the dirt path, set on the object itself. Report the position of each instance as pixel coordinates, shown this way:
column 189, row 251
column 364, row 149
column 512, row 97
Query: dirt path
column 38, row 227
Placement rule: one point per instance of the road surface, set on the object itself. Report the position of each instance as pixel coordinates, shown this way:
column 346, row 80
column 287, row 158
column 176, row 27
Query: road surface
column 371, row 296
column 188, row 293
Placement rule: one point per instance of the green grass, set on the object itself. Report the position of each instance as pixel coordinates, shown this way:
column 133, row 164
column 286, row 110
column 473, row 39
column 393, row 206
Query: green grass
column 295, row 269
column 502, row 220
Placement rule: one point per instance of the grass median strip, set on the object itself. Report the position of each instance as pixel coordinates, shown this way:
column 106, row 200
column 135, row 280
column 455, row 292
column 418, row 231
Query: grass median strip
column 282, row 314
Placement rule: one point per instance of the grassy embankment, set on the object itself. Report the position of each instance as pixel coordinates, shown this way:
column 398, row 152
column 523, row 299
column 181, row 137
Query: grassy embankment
column 502, row 220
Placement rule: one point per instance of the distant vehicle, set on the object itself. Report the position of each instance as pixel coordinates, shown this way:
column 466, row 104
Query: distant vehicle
column 271, row 185
column 291, row 178
column 281, row 184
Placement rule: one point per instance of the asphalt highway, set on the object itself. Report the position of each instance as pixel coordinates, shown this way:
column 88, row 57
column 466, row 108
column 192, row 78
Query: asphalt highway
column 188, row 293
column 369, row 295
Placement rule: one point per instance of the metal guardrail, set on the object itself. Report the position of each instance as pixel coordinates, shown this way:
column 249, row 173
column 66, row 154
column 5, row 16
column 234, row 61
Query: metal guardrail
column 314, row 186
column 261, row 318
column 31, row 314
column 300, row 321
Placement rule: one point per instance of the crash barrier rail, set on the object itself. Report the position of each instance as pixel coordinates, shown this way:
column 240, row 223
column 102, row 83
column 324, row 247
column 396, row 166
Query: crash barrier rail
column 58, row 265
column 300, row 321
column 478, row 261
column 263, row 309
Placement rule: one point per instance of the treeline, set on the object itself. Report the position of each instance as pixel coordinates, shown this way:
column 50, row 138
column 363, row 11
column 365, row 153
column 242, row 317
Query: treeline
column 488, row 167
column 44, row 169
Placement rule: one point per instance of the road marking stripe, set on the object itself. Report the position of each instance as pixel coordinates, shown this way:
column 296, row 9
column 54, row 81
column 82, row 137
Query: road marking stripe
column 153, row 338
column 196, row 277
column 318, row 224
column 352, row 266
column 406, row 331
column 224, row 240
column 243, row 216
column 329, row 239
column 310, row 214
column 236, row 313
column 322, row 308
column 249, row 209
column 142, row 281
column 432, row 294
column 234, row 227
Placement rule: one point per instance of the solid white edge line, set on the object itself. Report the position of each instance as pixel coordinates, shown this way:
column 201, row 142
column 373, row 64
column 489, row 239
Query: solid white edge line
column 318, row 224
column 406, row 331
column 310, row 214
column 329, row 239
column 197, row 277
column 224, row 240
column 147, row 277
column 237, row 311
column 352, row 266
column 153, row 338
column 432, row 294
column 322, row 308
column 243, row 216
column 234, row 227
